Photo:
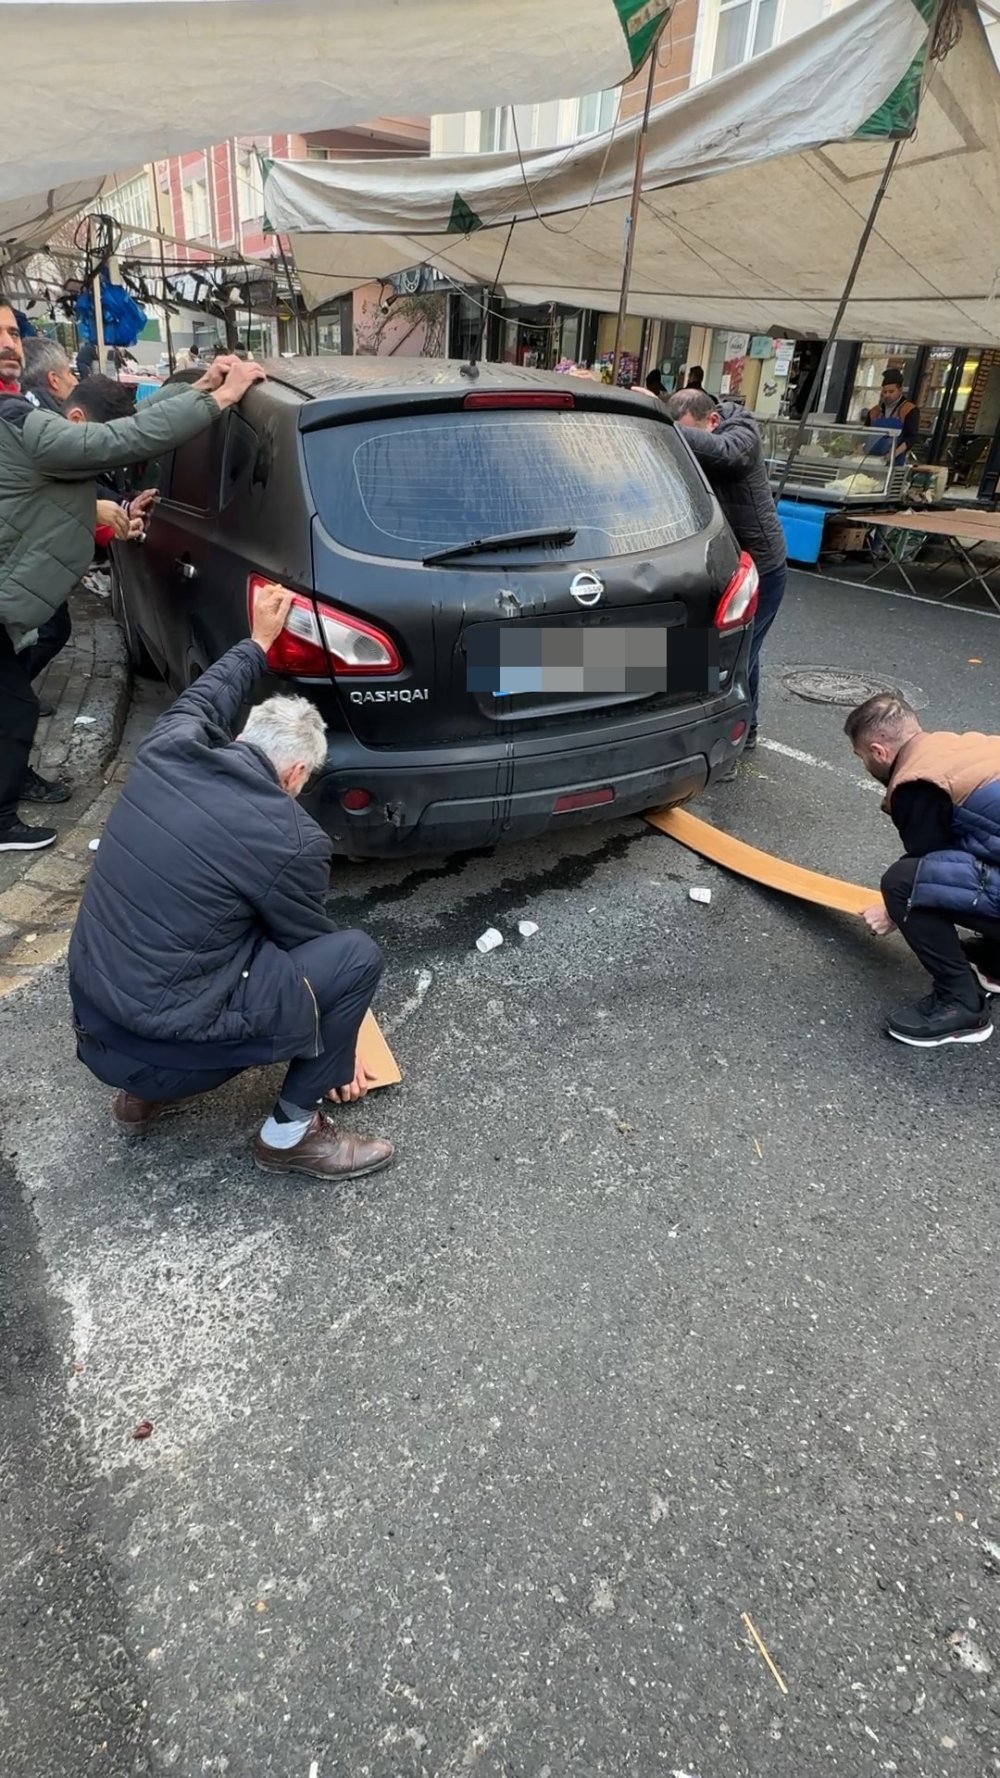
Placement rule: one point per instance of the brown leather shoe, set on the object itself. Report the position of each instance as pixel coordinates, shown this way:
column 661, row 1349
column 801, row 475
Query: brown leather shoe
column 135, row 1116
column 325, row 1153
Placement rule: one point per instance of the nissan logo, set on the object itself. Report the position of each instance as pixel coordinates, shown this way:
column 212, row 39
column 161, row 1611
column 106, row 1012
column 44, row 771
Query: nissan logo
column 587, row 588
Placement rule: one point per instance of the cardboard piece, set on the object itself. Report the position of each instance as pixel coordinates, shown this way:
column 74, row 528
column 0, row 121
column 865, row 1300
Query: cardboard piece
column 762, row 867
column 376, row 1055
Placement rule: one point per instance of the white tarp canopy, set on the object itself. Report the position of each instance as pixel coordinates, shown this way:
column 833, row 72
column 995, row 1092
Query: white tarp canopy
column 92, row 87
column 754, row 199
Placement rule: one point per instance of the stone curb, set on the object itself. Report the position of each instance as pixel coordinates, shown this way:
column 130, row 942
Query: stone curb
column 89, row 684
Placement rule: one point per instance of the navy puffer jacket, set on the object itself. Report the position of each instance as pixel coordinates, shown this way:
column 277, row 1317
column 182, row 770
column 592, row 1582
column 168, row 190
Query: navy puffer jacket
column 965, row 877
column 208, row 874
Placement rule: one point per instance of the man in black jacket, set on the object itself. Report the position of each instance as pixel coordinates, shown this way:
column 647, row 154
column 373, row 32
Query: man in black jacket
column 203, row 946
column 725, row 440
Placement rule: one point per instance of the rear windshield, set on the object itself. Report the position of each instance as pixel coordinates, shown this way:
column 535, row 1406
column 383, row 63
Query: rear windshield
column 406, row 487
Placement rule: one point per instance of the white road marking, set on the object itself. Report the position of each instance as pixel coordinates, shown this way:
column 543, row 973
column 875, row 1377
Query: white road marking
column 410, row 1006
column 915, row 598
column 809, row 759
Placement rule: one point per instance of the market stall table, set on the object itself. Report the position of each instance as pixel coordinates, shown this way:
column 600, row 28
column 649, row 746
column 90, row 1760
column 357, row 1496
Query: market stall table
column 965, row 529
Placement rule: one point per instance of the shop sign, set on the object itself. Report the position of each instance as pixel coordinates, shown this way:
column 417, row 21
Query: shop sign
column 784, row 352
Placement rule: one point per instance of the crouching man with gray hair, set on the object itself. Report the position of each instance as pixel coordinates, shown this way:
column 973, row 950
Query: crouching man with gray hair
column 202, row 945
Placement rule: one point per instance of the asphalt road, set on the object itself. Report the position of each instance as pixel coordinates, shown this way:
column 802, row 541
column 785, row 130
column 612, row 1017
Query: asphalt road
column 679, row 1304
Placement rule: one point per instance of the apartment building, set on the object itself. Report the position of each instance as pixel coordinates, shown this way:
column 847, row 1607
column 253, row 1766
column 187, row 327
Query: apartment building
column 209, row 207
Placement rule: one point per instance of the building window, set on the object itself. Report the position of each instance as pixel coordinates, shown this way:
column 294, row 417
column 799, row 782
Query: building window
column 494, row 129
column 314, row 152
column 746, row 28
column 596, row 112
column 197, row 219
column 130, row 204
column 249, row 185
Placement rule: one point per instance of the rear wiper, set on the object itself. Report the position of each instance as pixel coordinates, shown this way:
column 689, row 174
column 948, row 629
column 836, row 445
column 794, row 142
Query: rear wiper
column 506, row 540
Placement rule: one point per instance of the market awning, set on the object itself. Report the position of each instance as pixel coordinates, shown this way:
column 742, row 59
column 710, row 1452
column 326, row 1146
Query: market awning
column 756, row 189
column 92, row 87
column 28, row 223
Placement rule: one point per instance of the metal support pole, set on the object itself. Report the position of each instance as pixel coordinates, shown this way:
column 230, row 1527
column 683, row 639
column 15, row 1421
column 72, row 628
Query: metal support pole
column 166, row 306
column 292, row 293
column 633, row 215
column 99, row 323
column 824, row 357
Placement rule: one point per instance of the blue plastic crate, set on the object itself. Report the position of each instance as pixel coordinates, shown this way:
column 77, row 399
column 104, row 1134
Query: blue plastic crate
column 803, row 528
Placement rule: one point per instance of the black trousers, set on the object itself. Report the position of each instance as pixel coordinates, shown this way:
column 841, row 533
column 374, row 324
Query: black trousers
column 18, row 721
column 343, row 970
column 53, row 636
column 931, row 935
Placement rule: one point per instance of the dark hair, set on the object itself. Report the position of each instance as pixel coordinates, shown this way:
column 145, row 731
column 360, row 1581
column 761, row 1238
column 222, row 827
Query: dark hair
column 695, row 377
column 101, row 399
column 696, row 402
column 654, row 383
column 886, row 713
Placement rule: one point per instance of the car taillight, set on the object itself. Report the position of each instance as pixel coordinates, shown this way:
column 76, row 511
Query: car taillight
column 530, row 398
column 739, row 601
column 317, row 639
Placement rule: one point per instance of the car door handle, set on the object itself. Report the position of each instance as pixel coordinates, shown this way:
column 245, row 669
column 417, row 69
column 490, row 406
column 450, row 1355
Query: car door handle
column 187, row 570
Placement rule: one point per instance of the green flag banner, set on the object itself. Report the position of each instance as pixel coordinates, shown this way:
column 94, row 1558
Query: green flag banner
column 896, row 117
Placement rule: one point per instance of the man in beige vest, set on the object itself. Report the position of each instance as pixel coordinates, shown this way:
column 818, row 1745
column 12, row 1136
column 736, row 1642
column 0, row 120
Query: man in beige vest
column 943, row 795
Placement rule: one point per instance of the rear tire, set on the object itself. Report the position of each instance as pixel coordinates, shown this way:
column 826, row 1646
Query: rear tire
column 140, row 659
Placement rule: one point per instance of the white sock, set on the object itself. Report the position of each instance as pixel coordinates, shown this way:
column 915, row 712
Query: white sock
column 275, row 1135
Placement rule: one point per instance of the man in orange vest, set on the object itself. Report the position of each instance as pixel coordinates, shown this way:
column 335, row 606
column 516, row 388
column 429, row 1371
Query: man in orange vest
column 897, row 418
column 943, row 795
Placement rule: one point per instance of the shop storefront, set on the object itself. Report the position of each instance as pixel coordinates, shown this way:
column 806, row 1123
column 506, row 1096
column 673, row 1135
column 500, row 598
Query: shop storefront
column 956, row 389
column 975, row 424
column 537, row 336
column 670, row 353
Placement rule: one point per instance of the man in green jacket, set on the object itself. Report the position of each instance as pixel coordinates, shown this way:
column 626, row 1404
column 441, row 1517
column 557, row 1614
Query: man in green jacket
column 48, row 493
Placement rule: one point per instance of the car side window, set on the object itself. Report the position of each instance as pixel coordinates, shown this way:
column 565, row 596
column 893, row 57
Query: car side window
column 157, row 473
column 238, row 459
column 192, row 481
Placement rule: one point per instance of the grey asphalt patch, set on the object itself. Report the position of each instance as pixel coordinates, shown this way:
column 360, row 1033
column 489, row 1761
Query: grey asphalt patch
column 70, row 1700
column 680, row 1302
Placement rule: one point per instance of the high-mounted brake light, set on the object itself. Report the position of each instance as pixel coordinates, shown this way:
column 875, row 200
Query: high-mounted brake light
column 317, row 640
column 529, row 398
column 739, row 601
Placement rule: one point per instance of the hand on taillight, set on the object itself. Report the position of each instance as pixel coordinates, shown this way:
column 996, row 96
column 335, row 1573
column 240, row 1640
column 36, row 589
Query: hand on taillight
column 271, row 606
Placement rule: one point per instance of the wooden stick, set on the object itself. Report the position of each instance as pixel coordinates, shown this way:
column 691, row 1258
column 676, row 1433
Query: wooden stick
column 761, row 867
column 775, row 1675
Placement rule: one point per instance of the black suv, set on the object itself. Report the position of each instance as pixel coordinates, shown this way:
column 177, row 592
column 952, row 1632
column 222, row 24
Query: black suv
column 517, row 603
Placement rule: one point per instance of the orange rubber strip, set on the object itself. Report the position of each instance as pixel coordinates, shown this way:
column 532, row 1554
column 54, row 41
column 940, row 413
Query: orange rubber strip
column 762, row 867
column 377, row 1057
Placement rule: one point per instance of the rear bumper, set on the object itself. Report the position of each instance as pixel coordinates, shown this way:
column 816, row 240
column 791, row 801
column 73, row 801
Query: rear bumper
column 455, row 799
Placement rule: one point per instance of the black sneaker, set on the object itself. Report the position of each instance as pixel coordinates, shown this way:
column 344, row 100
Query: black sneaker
column 984, row 962
column 935, row 1020
column 45, row 709
column 17, row 836
column 43, row 790
column 751, row 741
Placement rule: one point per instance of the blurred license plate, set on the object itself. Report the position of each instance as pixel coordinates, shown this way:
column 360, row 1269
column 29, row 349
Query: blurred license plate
column 637, row 661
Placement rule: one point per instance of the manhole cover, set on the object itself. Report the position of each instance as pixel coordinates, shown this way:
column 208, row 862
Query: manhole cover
column 826, row 685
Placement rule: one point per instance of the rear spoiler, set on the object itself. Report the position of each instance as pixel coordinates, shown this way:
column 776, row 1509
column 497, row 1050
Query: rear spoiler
column 586, row 397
